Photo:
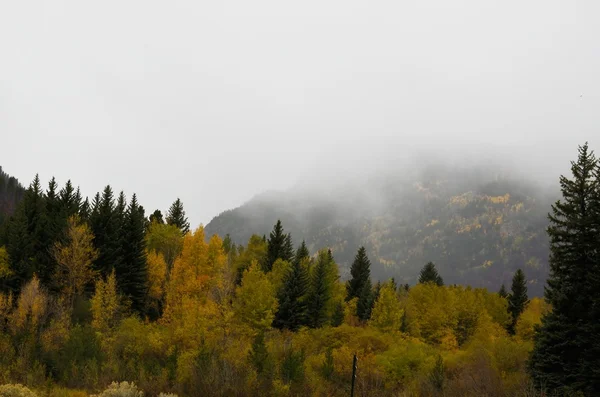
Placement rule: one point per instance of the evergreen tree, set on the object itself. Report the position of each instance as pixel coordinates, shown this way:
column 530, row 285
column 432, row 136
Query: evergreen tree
column 365, row 303
column 70, row 200
column 503, row 293
column 302, row 253
column 429, row 274
column 404, row 322
column 28, row 244
column 320, row 292
column 106, row 227
column 566, row 354
column 338, row 314
column 394, row 284
column 292, row 311
column 360, row 272
column 84, row 210
column 278, row 247
column 259, row 356
column 517, row 300
column 376, row 291
column 288, row 249
column 156, row 216
column 132, row 275
column 176, row 216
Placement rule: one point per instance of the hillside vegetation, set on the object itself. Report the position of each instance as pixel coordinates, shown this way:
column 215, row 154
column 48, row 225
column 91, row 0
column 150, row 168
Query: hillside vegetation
column 476, row 226
column 98, row 297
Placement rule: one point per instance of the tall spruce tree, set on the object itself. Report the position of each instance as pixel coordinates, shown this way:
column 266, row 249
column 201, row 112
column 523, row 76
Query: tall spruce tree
column 360, row 272
column 502, row 292
column 278, row 247
column 84, row 210
column 28, row 244
column 366, row 300
column 301, row 253
column 106, row 224
column 429, row 274
column 292, row 297
column 517, row 300
column 288, row 248
column 566, row 353
column 132, row 275
column 320, row 291
column 176, row 216
column 156, row 216
column 70, row 200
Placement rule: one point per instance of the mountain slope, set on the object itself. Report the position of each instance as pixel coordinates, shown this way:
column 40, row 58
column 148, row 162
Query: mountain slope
column 11, row 193
column 476, row 226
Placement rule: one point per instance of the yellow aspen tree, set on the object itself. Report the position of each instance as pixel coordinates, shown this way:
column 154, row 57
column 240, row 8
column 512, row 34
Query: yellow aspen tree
column 255, row 303
column 4, row 264
column 32, row 306
column 387, row 312
column 188, row 278
column 157, row 276
column 74, row 259
column 166, row 240
column 105, row 304
column 216, row 261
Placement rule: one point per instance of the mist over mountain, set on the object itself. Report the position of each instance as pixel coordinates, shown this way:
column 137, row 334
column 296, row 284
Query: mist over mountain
column 477, row 221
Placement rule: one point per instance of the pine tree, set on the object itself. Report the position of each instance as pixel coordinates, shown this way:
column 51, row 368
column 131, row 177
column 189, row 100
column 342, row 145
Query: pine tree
column 566, row 354
column 176, row 216
column 302, row 253
column 70, row 200
column 156, row 216
column 429, row 274
column 106, row 227
column 277, row 248
column 338, row 314
column 288, row 249
column 320, row 292
column 132, row 275
column 517, row 300
column 394, row 284
column 503, row 293
column 292, row 311
column 84, row 210
column 365, row 303
column 259, row 356
column 28, row 245
column 360, row 272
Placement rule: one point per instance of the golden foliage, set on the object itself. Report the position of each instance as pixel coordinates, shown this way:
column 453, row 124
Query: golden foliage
column 105, row 304
column 531, row 316
column 5, row 270
column 157, row 275
column 387, row 312
column 255, row 302
column 32, row 306
column 74, row 259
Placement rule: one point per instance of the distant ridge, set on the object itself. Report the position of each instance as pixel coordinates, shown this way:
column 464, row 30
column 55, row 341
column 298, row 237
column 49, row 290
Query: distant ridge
column 477, row 226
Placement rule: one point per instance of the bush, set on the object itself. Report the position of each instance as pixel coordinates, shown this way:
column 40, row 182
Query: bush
column 123, row 389
column 15, row 391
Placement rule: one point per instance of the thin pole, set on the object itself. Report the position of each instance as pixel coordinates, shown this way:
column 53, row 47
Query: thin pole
column 353, row 375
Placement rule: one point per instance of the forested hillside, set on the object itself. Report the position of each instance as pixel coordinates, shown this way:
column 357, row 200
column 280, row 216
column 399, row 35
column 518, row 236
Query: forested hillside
column 11, row 193
column 476, row 225
column 96, row 295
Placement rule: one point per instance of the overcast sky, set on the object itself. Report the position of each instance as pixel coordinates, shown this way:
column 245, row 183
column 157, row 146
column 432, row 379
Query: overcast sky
column 215, row 101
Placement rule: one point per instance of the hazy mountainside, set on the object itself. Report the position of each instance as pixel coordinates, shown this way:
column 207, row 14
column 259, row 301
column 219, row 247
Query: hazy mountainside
column 477, row 226
column 11, row 193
